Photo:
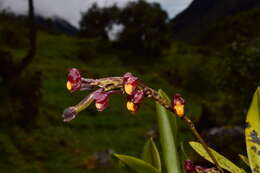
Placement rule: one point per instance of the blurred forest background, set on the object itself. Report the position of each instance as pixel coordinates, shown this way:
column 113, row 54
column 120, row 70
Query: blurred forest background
column 210, row 53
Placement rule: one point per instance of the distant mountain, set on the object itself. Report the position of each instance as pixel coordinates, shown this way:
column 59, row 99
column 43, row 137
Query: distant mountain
column 193, row 22
column 57, row 25
column 242, row 27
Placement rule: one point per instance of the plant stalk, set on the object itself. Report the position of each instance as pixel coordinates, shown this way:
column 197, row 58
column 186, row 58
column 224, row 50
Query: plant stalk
column 201, row 140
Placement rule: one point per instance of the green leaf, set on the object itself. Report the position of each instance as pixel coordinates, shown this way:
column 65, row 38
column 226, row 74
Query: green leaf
column 172, row 117
column 136, row 164
column 245, row 159
column 222, row 161
column 252, row 133
column 184, row 154
column 151, row 154
column 167, row 139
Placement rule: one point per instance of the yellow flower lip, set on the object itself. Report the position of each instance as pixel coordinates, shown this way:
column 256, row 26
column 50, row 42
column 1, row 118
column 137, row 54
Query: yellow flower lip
column 129, row 89
column 69, row 85
column 131, row 106
column 98, row 105
column 178, row 105
column 179, row 109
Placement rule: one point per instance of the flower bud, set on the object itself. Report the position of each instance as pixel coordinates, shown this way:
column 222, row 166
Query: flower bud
column 189, row 166
column 130, row 83
column 101, row 106
column 73, row 80
column 69, row 114
column 178, row 105
column 199, row 169
column 101, row 99
column 137, row 97
column 134, row 100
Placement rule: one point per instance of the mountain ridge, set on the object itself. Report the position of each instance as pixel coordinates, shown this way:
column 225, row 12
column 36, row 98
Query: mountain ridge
column 194, row 21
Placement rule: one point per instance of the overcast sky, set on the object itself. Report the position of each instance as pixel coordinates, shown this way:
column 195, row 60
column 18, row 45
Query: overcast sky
column 70, row 9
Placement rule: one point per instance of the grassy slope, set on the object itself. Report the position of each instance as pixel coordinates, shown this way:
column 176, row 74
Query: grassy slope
column 91, row 131
column 66, row 147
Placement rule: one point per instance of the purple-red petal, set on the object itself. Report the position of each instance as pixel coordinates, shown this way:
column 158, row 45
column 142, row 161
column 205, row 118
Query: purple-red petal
column 129, row 78
column 102, row 105
column 138, row 97
column 74, row 77
column 178, row 99
column 189, row 166
column 199, row 169
column 100, row 96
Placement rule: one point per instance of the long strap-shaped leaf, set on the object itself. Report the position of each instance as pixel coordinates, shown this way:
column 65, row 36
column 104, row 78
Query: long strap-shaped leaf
column 151, row 154
column 172, row 117
column 252, row 133
column 136, row 164
column 168, row 144
column 245, row 159
column 222, row 161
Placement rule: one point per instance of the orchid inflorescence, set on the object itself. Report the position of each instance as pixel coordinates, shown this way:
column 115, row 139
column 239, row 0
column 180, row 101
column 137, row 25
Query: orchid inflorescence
column 135, row 90
column 127, row 84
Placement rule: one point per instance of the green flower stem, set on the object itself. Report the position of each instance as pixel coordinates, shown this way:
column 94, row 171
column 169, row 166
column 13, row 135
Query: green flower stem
column 108, row 83
column 84, row 103
column 196, row 133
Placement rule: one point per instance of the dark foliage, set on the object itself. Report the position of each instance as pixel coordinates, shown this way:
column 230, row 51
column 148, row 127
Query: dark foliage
column 145, row 33
column 217, row 81
column 243, row 27
column 240, row 73
column 21, row 95
column 21, row 87
column 193, row 22
column 96, row 19
column 11, row 38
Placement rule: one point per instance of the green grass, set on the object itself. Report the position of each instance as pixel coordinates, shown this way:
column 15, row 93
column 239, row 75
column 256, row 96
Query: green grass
column 55, row 146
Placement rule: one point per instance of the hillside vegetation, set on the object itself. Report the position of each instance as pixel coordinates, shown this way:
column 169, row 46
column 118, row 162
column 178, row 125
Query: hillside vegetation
column 216, row 82
column 191, row 24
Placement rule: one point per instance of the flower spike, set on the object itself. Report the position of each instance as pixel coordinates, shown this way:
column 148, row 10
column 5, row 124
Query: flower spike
column 136, row 91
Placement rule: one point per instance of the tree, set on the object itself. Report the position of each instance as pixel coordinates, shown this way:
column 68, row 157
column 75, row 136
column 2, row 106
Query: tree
column 32, row 39
column 146, row 30
column 95, row 21
column 145, row 27
column 20, row 86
